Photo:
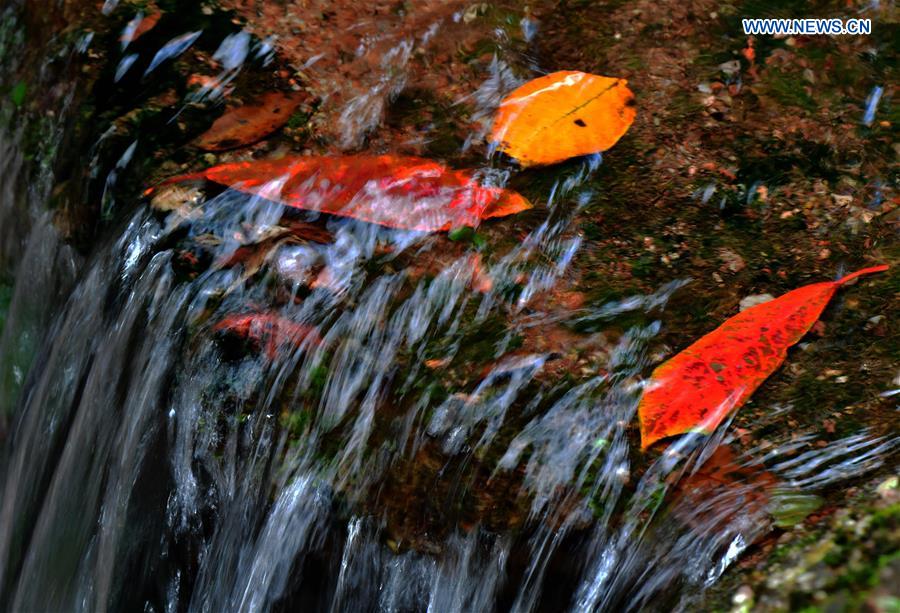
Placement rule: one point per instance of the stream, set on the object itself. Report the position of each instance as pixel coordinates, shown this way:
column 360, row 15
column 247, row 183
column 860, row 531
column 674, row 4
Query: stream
column 420, row 452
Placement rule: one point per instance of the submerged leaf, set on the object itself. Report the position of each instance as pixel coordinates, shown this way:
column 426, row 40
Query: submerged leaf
column 268, row 331
column 695, row 390
column 253, row 256
column 138, row 26
column 399, row 192
column 249, row 123
column 563, row 115
column 721, row 490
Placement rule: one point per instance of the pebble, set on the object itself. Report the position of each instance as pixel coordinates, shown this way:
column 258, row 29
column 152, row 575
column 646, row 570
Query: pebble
column 755, row 299
column 743, row 595
column 887, row 489
column 731, row 67
column 874, row 321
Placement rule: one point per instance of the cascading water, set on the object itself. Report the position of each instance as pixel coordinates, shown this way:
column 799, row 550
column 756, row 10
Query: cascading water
column 155, row 462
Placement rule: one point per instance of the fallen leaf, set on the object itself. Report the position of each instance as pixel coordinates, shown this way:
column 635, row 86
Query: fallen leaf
column 789, row 508
column 307, row 232
column 326, row 279
column 252, row 257
column 176, row 197
column 249, row 123
column 749, row 52
column 437, row 363
column 563, row 115
column 268, row 331
column 138, row 26
column 482, row 282
column 696, row 389
column 399, row 192
column 721, row 489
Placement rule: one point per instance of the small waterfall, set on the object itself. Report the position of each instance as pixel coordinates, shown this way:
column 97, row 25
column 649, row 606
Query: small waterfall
column 417, row 453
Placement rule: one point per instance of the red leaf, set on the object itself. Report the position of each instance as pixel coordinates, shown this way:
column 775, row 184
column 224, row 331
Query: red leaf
column 249, row 123
column 696, row 389
column 268, row 331
column 398, row 192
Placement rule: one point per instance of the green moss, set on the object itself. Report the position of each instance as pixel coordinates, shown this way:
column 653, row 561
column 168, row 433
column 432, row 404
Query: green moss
column 461, row 234
column 17, row 93
column 298, row 120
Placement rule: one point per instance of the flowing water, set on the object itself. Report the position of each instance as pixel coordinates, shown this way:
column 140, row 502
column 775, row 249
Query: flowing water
column 152, row 462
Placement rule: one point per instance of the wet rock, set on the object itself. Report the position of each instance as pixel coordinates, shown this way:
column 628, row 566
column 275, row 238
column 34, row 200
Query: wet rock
column 845, row 562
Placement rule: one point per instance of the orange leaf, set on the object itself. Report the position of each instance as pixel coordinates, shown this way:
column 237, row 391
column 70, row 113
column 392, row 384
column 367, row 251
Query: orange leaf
column 268, row 331
column 695, row 390
column 563, row 115
column 249, row 123
column 481, row 280
column 398, row 192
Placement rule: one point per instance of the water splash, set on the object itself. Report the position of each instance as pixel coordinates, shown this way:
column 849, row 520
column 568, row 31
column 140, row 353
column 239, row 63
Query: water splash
column 872, row 105
column 171, row 49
